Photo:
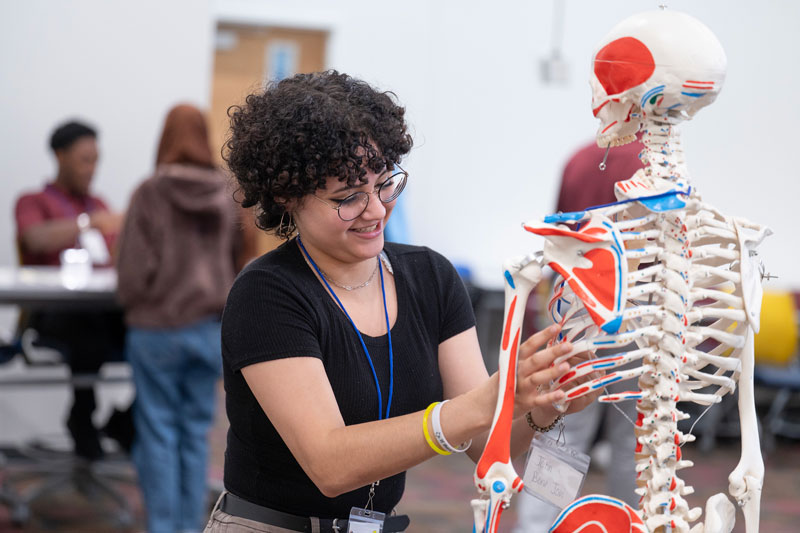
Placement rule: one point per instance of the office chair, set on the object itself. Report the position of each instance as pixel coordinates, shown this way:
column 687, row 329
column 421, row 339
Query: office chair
column 35, row 471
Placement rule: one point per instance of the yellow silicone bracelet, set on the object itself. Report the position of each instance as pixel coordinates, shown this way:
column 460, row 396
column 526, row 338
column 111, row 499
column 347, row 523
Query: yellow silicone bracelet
column 428, row 438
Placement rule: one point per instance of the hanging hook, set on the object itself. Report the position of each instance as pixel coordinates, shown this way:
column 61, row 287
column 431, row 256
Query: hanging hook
column 602, row 165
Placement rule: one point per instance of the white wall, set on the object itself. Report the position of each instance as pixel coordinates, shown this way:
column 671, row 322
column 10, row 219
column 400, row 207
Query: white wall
column 117, row 65
column 490, row 136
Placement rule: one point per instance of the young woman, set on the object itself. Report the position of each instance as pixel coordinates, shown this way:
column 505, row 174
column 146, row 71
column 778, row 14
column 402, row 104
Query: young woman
column 175, row 265
column 335, row 343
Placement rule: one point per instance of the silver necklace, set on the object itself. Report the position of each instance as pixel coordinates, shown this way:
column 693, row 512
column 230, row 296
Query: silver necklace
column 351, row 287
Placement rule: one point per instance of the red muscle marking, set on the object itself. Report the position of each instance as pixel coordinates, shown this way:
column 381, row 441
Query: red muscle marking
column 635, row 518
column 601, row 279
column 597, row 517
column 566, row 376
column 623, row 64
column 594, row 231
column 507, row 331
column 563, row 233
column 493, row 524
column 608, row 127
column 630, row 110
column 597, row 109
column 578, row 391
column 498, row 447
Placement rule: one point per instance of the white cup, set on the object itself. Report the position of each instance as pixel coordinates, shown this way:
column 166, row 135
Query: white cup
column 76, row 268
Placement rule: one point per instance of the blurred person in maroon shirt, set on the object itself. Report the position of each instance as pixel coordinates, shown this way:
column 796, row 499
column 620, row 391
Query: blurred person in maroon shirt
column 48, row 222
column 583, row 185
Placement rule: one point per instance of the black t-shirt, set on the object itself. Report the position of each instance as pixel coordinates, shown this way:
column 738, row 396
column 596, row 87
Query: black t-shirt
column 277, row 308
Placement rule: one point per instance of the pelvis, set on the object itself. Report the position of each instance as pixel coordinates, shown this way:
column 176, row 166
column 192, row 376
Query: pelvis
column 592, row 260
column 598, row 514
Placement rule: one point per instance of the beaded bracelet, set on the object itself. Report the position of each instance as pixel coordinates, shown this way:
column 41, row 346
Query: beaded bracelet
column 428, row 439
column 540, row 429
column 439, row 434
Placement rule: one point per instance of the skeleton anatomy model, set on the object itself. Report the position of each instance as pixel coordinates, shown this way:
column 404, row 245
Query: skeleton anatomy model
column 661, row 274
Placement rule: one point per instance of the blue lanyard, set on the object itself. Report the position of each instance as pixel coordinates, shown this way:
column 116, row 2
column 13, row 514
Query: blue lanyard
column 360, row 338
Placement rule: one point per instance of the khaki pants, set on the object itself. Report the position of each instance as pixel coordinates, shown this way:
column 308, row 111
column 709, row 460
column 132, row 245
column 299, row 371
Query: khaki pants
column 221, row 522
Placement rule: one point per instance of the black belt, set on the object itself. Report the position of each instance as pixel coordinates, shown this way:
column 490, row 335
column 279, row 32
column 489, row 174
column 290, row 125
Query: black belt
column 233, row 505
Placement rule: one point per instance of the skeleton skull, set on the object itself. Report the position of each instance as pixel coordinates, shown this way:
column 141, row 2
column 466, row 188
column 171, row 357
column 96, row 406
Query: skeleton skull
column 664, row 64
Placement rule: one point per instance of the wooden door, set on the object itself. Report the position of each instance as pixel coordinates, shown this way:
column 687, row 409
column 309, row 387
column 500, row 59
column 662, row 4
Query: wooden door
column 245, row 58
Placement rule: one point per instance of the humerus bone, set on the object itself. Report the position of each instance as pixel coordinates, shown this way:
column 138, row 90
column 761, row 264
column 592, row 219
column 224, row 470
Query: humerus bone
column 495, row 476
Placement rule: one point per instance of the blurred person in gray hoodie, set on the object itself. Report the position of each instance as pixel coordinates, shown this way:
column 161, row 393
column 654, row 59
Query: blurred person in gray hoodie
column 176, row 264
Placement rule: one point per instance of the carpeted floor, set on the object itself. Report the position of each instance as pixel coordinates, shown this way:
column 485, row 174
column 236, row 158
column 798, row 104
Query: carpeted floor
column 437, row 492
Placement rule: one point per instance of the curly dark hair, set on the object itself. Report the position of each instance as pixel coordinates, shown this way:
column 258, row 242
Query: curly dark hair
column 284, row 141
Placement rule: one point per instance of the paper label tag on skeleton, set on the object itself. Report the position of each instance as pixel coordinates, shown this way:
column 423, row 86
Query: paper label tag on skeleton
column 365, row 521
column 554, row 472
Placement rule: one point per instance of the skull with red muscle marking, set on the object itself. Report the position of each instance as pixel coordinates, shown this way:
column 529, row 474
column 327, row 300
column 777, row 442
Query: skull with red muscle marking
column 663, row 64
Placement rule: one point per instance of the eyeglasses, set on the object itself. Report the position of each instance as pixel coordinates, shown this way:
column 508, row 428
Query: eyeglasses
column 354, row 205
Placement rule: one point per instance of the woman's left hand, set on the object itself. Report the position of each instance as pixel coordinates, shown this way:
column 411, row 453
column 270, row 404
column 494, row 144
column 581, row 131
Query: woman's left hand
column 535, row 373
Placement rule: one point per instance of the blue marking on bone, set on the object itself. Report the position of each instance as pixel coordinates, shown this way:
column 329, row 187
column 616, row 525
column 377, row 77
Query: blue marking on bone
column 663, row 202
column 611, row 328
column 618, row 251
column 509, row 279
column 650, row 93
column 693, row 95
column 565, row 217
column 603, row 365
column 498, row 486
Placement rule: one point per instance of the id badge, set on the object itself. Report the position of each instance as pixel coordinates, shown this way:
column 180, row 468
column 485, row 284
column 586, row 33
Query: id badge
column 93, row 242
column 554, row 472
column 365, row 521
